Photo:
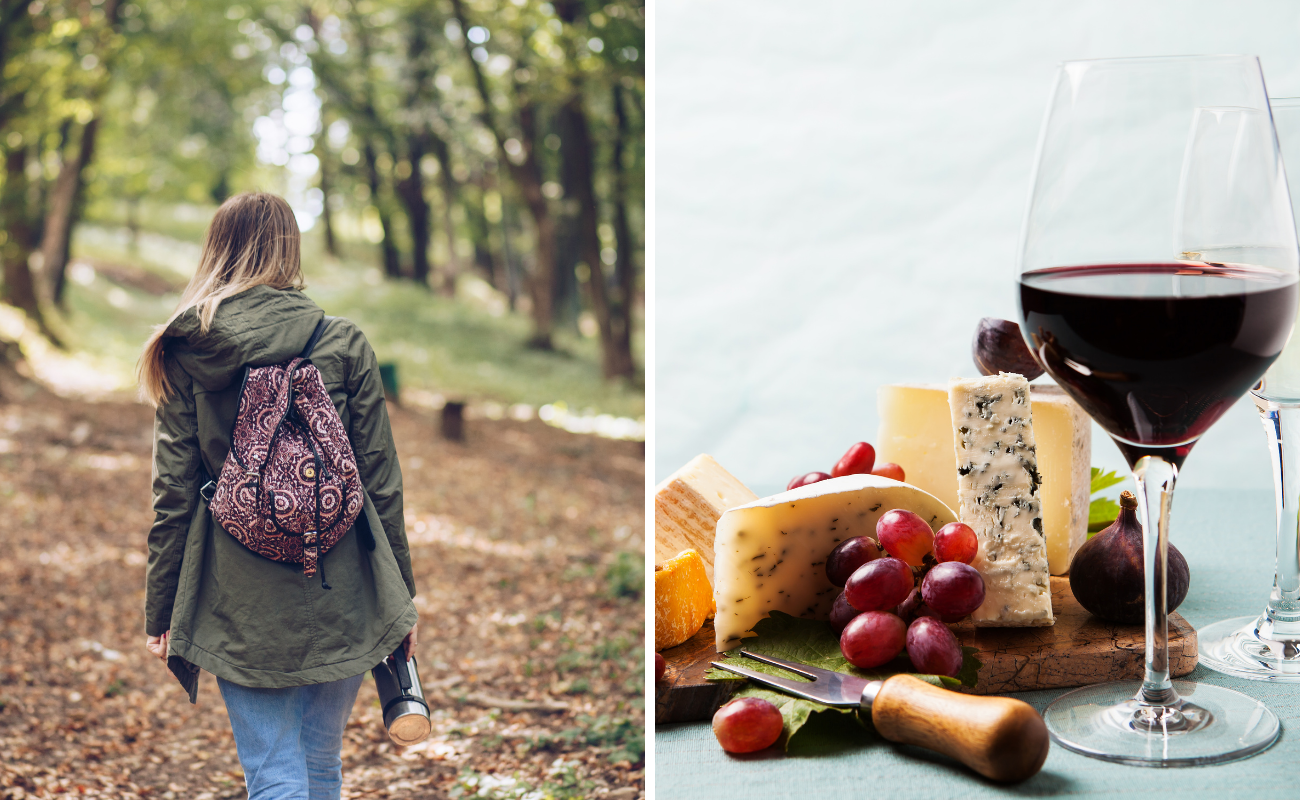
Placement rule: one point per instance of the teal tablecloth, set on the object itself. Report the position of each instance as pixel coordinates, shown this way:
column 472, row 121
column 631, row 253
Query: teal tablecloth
column 1227, row 538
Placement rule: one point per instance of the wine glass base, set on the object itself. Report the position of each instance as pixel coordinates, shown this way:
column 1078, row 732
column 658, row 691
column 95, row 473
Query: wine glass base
column 1213, row 725
column 1235, row 648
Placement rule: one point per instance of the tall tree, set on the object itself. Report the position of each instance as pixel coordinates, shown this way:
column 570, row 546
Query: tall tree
column 624, row 272
column 526, row 171
column 65, row 198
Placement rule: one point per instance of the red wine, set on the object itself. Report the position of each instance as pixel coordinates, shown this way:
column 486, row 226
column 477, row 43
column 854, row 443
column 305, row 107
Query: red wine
column 1155, row 353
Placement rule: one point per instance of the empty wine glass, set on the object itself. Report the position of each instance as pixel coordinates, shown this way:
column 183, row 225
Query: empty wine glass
column 1157, row 283
column 1267, row 647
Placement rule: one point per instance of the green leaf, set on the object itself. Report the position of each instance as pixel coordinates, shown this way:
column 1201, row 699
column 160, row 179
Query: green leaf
column 970, row 667
column 1104, row 480
column 808, row 724
column 1101, row 513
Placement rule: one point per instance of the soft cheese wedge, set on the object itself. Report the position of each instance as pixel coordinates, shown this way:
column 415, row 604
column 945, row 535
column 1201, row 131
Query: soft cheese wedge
column 997, row 490
column 688, row 504
column 916, row 432
column 770, row 555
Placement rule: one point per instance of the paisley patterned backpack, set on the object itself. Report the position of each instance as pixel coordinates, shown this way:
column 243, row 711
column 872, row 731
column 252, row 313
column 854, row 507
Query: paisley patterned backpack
column 289, row 489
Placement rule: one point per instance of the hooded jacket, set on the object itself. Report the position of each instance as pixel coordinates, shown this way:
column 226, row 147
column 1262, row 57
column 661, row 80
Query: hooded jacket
column 250, row 620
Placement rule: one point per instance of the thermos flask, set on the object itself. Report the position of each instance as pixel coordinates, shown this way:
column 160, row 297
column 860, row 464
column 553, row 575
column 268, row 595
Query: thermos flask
column 406, row 715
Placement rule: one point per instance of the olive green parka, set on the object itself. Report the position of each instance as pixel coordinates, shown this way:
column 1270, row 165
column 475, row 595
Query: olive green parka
column 242, row 617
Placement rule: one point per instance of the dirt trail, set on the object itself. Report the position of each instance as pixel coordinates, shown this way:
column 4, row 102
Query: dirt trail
column 527, row 547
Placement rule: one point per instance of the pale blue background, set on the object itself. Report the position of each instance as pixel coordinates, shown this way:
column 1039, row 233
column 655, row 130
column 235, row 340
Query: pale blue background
column 840, row 187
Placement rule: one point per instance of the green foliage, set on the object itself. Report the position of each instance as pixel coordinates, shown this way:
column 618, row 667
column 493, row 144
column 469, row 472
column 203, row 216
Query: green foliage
column 1103, row 510
column 813, row 642
column 623, row 738
column 626, row 576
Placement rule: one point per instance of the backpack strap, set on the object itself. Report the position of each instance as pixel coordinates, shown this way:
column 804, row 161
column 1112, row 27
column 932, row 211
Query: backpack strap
column 315, row 336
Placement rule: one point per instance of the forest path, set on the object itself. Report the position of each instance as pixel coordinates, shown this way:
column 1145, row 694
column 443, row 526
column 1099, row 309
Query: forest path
column 527, row 549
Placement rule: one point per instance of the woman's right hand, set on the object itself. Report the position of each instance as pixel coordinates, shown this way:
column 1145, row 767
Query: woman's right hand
column 158, row 645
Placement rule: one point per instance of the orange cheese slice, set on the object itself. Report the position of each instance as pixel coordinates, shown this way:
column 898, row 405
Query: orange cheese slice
column 683, row 599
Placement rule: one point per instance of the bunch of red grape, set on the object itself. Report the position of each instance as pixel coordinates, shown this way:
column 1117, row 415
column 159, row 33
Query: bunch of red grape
column 859, row 460
column 883, row 611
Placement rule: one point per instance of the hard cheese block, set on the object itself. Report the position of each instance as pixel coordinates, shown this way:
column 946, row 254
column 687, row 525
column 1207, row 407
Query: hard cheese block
column 683, row 599
column 688, row 504
column 916, row 432
column 997, row 492
column 770, row 555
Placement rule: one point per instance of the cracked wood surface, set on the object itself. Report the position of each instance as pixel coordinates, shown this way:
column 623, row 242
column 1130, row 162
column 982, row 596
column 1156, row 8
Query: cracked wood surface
column 1078, row 650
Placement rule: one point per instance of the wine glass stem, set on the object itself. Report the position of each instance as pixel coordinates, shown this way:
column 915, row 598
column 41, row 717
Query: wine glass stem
column 1155, row 483
column 1282, row 426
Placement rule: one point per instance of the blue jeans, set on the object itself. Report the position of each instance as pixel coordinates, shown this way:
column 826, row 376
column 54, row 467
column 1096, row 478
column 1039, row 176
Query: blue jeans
column 289, row 740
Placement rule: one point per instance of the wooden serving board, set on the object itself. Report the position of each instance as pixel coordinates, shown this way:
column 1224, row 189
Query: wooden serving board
column 1078, row 650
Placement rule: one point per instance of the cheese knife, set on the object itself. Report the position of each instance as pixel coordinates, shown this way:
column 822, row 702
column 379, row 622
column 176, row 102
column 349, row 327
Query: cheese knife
column 998, row 737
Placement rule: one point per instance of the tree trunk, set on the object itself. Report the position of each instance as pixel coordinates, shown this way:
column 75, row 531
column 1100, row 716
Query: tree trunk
column 411, row 190
column 60, row 213
column 624, row 274
column 528, row 176
column 442, row 154
column 392, row 263
column 19, row 289
column 512, row 273
column 411, row 187
column 326, row 215
column 615, row 361
column 481, row 233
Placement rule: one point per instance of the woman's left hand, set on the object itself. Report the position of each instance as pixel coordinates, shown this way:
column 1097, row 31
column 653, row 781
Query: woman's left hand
column 158, row 645
column 409, row 641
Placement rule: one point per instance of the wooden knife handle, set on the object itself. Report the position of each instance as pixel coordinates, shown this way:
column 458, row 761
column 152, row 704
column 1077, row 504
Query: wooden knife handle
column 998, row 737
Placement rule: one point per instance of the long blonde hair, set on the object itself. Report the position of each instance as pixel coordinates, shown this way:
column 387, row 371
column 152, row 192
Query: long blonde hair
column 253, row 240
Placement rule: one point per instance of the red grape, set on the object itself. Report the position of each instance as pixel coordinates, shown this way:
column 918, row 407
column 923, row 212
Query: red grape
column 747, row 725
column 932, row 648
column 904, row 535
column 847, row 556
column 804, row 480
column 661, row 666
column 956, row 542
column 857, row 461
column 873, row 638
column 953, row 588
column 879, row 585
column 889, row 470
column 842, row 613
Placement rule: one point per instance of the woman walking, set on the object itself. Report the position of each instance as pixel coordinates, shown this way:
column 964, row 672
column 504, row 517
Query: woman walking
column 288, row 650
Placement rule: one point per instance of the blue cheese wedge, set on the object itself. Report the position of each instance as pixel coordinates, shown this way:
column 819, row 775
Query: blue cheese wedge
column 998, row 495
column 770, row 555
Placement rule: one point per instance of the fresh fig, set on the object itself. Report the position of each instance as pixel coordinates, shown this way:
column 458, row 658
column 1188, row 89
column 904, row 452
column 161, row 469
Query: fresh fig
column 1106, row 574
column 999, row 347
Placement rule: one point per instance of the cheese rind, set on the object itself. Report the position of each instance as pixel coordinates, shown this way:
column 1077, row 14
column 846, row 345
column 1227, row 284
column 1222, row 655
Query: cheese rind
column 770, row 555
column 997, row 490
column 688, row 504
column 1063, row 436
column 916, row 432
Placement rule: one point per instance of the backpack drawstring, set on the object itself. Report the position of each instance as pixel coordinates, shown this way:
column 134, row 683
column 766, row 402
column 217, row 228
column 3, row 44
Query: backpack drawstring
column 320, row 470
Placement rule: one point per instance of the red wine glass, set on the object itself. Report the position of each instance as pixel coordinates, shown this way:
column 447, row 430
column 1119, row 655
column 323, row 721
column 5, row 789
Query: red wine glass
column 1157, row 281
